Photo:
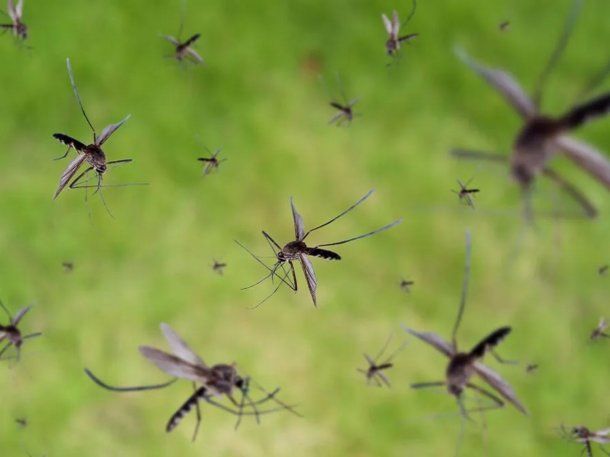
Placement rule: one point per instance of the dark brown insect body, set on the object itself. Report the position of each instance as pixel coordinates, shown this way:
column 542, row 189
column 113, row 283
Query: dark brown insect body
column 211, row 163
column 405, row 285
column 466, row 194
column 345, row 112
column 375, row 370
column 17, row 26
column 218, row 267
column 585, row 436
column 11, row 334
column 184, row 49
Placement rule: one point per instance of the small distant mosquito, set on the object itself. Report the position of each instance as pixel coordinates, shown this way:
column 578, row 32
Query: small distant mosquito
column 17, row 26
column 466, row 194
column 392, row 27
column 92, row 153
column 184, row 49
column 218, row 267
column 602, row 270
column 600, row 330
column 585, row 436
column 374, row 372
column 68, row 266
column 504, row 26
column 221, row 380
column 406, row 284
column 297, row 250
column 344, row 107
column 22, row 422
column 11, row 332
column 531, row 367
column 464, row 365
column 212, row 162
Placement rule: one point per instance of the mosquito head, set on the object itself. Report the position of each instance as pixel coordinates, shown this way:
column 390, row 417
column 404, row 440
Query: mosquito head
column 580, row 431
column 455, row 389
column 224, row 378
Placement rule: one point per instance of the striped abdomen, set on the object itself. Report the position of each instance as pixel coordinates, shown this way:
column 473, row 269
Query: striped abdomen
column 489, row 342
column 323, row 253
column 185, row 409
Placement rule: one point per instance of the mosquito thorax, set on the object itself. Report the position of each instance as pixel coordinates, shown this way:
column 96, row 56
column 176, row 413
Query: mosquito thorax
column 392, row 46
column 21, row 30
column 291, row 250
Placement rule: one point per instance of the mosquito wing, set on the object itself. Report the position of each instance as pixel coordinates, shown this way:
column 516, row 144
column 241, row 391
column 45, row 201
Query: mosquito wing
column 395, row 24
column 387, row 24
column 299, row 230
column 587, row 157
column 19, row 9
column 68, row 173
column 433, row 340
column 499, row 385
column 19, row 315
column 310, row 276
column 503, row 83
column 108, row 131
column 173, row 365
column 179, row 347
column 12, row 12
column 194, row 55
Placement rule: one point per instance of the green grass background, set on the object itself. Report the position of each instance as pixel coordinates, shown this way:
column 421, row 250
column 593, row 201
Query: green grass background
column 260, row 98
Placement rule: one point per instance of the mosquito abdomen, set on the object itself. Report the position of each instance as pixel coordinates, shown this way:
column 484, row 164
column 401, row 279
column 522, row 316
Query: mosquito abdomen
column 184, row 409
column 323, row 253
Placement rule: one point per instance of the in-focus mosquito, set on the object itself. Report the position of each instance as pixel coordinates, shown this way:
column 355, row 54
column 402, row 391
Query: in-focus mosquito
column 405, row 285
column 211, row 162
column 374, row 372
column 393, row 26
column 218, row 267
column 464, row 365
column 15, row 13
column 583, row 435
column 11, row 334
column 92, row 154
column 600, row 330
column 220, row 380
column 297, row 250
column 466, row 194
column 541, row 137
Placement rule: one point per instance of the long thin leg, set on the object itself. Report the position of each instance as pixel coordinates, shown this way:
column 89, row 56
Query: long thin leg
column 502, row 360
column 261, row 262
column 381, row 229
column 425, row 385
column 3, row 350
column 572, row 191
column 65, row 155
column 282, row 280
column 80, row 103
column 102, row 384
column 271, row 240
column 8, row 314
column 497, row 402
column 198, row 415
column 464, row 291
column 478, row 155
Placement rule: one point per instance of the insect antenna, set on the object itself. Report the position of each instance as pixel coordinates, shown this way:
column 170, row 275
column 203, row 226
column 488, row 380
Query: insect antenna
column 273, row 396
column 78, row 99
column 381, row 229
column 8, row 314
column 464, row 291
column 102, row 384
column 264, row 265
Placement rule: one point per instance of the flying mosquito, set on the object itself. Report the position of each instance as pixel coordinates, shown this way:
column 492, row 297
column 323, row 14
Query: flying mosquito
column 92, row 154
column 466, row 194
column 374, row 372
column 531, row 368
column 11, row 333
column 297, row 250
column 221, row 380
column 19, row 29
column 585, row 436
column 218, row 267
column 184, row 49
column 541, row 137
column 393, row 26
column 602, row 270
column 343, row 106
column 212, row 162
column 68, row 266
column 405, row 285
column 22, row 422
column 463, row 366
column 600, row 330
column 504, row 26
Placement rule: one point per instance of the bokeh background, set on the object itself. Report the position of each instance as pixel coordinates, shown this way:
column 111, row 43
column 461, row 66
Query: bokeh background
column 260, row 97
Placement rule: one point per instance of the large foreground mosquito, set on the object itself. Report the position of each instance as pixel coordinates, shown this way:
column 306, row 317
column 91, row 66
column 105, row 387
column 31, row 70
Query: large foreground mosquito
column 464, row 365
column 583, row 435
column 298, row 250
column 221, row 380
column 211, row 162
column 541, row 137
column 92, row 154
column 11, row 333
column 15, row 13
column 393, row 26
column 600, row 330
column 465, row 193
column 374, row 372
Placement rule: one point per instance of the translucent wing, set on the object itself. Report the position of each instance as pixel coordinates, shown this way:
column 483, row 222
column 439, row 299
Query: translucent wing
column 171, row 39
column 194, row 55
column 11, row 10
column 179, row 347
column 299, row 230
column 310, row 276
column 433, row 340
column 587, row 157
column 19, row 315
column 387, row 24
column 173, row 365
column 395, row 24
column 19, row 9
column 68, row 173
column 499, row 385
column 108, row 131
column 504, row 83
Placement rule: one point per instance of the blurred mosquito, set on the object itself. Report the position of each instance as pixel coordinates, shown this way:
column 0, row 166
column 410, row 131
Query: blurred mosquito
column 15, row 13
column 68, row 266
column 11, row 334
column 22, row 422
column 600, row 330
column 406, row 284
column 602, row 270
column 531, row 368
column 184, row 49
column 504, row 26
column 218, row 267
column 297, row 250
column 91, row 154
column 393, row 26
column 464, row 365
column 374, row 372
column 466, row 194
column 343, row 106
column 212, row 162
column 541, row 137
column 583, row 435
column 220, row 380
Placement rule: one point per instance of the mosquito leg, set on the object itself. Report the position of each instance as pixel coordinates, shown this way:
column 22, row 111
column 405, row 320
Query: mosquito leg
column 478, row 155
column 271, row 240
column 8, row 314
column 464, row 290
column 3, row 350
column 497, row 402
column 198, row 415
column 502, row 360
column 65, row 155
column 424, row 385
column 102, row 384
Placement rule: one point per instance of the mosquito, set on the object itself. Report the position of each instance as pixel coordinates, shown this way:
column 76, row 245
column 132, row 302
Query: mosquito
column 602, row 270
column 585, row 436
column 392, row 27
column 184, row 49
column 541, row 137
column 218, row 267
column 374, row 372
column 15, row 13
column 405, row 285
column 68, row 266
column 600, row 330
column 297, row 250
column 212, row 162
column 92, row 154
column 22, row 422
column 531, row 368
column 220, row 380
column 463, row 366
column 504, row 26
column 11, row 333
column 466, row 194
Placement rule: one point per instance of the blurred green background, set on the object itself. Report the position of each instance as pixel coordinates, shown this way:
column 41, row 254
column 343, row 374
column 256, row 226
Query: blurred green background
column 261, row 99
